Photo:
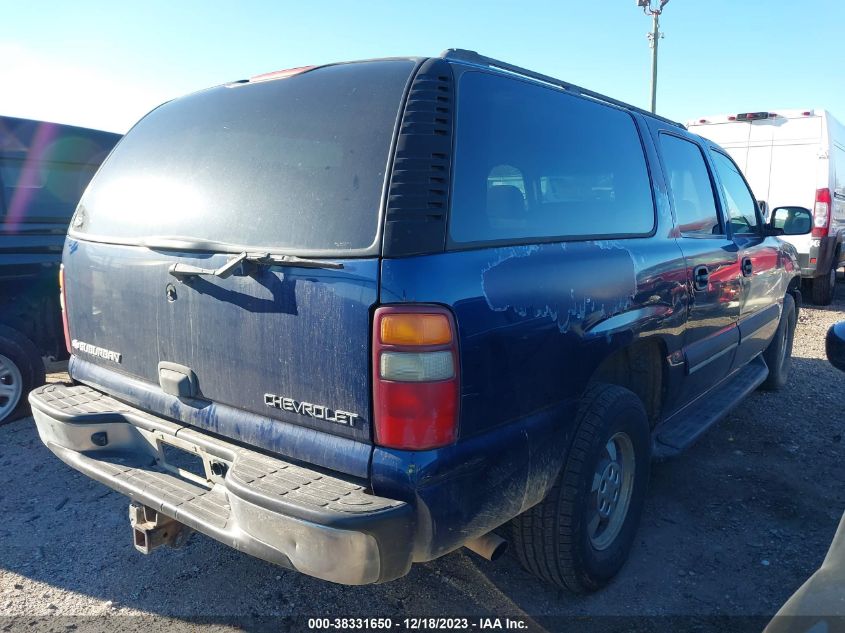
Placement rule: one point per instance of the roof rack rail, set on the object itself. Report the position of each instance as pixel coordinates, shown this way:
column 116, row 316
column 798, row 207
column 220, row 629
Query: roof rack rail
column 462, row 55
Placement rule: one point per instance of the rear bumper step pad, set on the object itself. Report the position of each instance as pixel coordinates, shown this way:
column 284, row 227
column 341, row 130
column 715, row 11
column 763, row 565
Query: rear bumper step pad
column 304, row 519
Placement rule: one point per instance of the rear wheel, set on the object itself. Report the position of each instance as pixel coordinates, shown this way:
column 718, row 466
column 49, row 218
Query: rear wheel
column 778, row 354
column 824, row 287
column 21, row 370
column 580, row 535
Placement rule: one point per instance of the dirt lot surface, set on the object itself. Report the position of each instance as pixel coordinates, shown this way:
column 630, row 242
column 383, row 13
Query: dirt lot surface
column 732, row 528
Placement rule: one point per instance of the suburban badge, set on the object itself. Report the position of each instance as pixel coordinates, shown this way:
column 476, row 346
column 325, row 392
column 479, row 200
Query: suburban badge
column 93, row 350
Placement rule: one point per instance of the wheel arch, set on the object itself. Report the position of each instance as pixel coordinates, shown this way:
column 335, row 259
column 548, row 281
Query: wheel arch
column 794, row 289
column 640, row 367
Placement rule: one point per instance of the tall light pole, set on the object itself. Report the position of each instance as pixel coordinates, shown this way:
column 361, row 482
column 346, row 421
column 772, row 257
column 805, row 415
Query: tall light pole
column 653, row 38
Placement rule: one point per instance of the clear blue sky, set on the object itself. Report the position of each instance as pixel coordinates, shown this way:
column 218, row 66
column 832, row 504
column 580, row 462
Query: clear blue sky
column 104, row 64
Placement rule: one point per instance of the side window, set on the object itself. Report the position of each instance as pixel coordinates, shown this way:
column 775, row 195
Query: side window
column 742, row 211
column 534, row 162
column 690, row 187
column 35, row 190
column 839, row 168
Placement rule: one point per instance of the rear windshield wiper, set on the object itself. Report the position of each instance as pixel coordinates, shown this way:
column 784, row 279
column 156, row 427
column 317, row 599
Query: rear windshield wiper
column 262, row 259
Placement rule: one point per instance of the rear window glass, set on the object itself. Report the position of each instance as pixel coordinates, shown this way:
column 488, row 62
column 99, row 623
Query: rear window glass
column 294, row 164
column 534, row 162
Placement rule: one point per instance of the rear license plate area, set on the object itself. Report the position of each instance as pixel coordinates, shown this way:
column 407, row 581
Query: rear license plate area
column 178, row 459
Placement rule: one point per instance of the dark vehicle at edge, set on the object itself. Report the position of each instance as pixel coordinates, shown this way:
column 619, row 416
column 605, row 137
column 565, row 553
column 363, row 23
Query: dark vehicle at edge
column 386, row 307
column 44, row 168
column 819, row 603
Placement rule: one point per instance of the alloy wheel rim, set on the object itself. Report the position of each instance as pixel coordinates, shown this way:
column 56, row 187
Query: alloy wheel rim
column 611, row 491
column 11, row 387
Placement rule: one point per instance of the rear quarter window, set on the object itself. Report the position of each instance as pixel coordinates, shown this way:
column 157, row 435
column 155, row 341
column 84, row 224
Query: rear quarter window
column 532, row 162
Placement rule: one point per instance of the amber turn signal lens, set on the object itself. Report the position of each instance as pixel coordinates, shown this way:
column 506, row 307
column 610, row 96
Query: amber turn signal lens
column 415, row 329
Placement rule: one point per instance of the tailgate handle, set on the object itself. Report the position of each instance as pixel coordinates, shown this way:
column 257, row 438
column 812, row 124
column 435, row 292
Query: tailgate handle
column 177, row 380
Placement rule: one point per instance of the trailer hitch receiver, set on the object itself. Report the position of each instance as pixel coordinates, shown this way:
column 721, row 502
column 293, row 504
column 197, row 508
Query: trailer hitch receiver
column 151, row 529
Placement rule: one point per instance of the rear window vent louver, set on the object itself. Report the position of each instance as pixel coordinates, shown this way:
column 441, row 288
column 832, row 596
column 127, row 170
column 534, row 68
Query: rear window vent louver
column 418, row 196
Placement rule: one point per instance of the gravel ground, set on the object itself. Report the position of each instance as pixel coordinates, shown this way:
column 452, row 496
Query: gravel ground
column 731, row 528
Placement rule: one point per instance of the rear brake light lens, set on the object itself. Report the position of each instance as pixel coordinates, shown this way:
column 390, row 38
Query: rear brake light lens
column 415, row 377
column 752, row 116
column 821, row 213
column 63, row 304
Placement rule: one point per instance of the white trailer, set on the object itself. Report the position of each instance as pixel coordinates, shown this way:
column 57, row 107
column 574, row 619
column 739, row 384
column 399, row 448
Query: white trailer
column 793, row 159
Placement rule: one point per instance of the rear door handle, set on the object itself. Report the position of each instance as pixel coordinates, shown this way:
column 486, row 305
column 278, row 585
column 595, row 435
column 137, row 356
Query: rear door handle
column 700, row 277
column 747, row 266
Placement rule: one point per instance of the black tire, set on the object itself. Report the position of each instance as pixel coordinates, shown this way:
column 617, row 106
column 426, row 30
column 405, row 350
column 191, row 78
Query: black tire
column 552, row 539
column 20, row 365
column 823, row 288
column 778, row 354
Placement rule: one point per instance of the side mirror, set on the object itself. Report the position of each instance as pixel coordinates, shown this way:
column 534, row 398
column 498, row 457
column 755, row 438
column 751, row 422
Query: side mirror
column 835, row 345
column 792, row 220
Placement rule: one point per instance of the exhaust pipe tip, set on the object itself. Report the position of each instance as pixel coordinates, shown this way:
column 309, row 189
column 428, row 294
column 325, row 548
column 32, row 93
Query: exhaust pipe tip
column 490, row 546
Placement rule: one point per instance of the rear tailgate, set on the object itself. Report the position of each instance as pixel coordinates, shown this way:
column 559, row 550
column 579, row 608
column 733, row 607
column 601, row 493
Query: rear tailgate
column 299, row 334
column 292, row 166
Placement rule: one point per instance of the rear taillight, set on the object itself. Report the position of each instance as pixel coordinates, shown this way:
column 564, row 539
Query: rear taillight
column 415, row 377
column 63, row 304
column 821, row 213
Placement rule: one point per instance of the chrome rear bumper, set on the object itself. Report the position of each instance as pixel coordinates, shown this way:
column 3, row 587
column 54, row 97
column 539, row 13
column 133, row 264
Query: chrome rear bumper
column 296, row 517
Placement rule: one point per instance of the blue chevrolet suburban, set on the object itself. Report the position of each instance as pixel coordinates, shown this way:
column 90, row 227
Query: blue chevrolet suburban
column 352, row 317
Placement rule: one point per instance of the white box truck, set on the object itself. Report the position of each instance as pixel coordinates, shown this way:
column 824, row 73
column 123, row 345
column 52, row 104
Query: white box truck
column 793, row 159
